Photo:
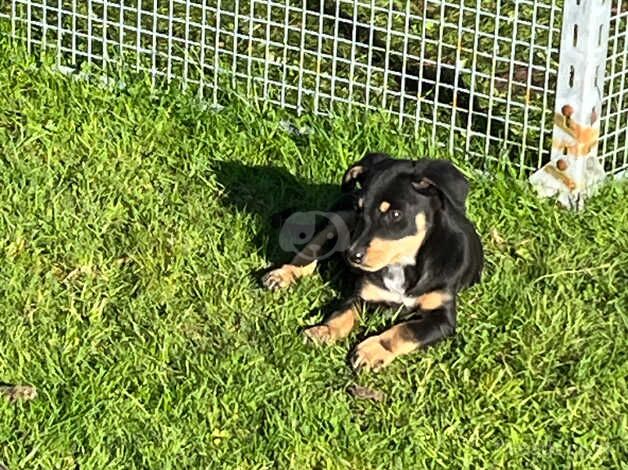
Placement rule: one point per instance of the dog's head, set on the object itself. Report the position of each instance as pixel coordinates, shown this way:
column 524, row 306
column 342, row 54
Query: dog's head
column 398, row 202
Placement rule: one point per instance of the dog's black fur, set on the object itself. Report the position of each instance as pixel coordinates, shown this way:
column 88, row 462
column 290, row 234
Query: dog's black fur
column 410, row 245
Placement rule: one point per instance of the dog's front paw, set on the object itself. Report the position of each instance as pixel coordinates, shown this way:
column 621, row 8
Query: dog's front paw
column 279, row 278
column 319, row 334
column 371, row 354
column 286, row 275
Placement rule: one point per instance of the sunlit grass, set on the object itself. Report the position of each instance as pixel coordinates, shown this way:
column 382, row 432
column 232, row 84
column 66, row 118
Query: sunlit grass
column 132, row 226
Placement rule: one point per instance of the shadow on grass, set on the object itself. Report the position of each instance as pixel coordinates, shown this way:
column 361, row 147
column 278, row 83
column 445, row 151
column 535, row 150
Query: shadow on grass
column 272, row 194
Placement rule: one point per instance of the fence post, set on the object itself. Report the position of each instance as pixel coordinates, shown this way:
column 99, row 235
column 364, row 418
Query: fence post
column 574, row 170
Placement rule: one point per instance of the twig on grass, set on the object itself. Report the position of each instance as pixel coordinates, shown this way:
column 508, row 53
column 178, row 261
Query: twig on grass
column 571, row 271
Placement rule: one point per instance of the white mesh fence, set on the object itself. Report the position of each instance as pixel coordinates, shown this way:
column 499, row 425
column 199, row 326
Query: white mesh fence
column 614, row 120
column 479, row 76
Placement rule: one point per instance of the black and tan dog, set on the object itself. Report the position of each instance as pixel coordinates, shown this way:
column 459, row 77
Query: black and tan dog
column 411, row 246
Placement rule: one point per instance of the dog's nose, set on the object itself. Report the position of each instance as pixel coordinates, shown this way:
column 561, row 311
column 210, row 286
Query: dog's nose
column 356, row 256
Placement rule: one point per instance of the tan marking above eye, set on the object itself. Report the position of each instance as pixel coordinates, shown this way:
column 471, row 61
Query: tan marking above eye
column 384, row 206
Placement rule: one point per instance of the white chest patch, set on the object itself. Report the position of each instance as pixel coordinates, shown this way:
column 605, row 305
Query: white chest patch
column 393, row 291
column 394, row 279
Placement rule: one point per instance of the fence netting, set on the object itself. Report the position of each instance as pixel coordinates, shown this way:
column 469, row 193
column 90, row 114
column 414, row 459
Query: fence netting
column 476, row 77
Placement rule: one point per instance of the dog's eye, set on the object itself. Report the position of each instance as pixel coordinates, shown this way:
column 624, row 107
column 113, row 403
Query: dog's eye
column 395, row 214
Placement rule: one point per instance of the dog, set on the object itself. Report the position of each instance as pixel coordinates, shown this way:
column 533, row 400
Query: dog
column 410, row 246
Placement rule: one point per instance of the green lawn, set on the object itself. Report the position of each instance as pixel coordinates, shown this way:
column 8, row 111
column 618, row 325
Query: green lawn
column 132, row 228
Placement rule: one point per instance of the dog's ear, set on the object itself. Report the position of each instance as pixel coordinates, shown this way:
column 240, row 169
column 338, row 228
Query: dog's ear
column 444, row 178
column 356, row 172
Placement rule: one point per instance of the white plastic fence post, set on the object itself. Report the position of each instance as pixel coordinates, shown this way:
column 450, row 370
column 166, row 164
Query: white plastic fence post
column 574, row 170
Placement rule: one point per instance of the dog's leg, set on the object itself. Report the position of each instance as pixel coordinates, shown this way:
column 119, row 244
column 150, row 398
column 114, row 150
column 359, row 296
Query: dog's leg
column 378, row 351
column 303, row 264
column 305, row 261
column 286, row 275
column 337, row 326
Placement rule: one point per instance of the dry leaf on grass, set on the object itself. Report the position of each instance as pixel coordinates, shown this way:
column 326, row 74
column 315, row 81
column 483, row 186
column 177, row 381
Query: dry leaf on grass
column 365, row 393
column 497, row 238
column 18, row 392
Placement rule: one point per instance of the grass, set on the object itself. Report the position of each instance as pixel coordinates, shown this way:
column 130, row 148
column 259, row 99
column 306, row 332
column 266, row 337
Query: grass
column 132, row 224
